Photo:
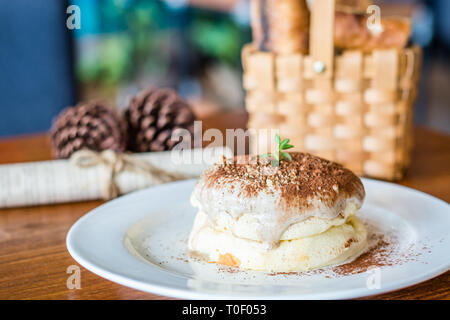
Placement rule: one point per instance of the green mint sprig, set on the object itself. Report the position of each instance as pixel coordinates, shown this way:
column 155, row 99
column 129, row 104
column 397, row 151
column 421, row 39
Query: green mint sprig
column 279, row 153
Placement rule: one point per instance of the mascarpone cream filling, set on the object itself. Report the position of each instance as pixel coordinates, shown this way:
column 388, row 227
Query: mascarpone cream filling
column 268, row 223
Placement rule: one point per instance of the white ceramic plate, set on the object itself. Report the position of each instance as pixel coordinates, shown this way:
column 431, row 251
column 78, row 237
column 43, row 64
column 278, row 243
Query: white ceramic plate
column 139, row 240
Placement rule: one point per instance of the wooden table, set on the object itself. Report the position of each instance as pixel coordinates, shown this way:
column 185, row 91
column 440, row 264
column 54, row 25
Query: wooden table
column 33, row 254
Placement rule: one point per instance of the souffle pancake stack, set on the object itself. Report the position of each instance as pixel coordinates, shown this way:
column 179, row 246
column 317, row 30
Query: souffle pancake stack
column 295, row 216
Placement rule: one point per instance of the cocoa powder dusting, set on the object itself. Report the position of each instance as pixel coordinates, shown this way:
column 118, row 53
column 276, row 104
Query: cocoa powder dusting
column 377, row 256
column 305, row 175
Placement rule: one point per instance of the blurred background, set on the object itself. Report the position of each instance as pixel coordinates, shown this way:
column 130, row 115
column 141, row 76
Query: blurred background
column 190, row 45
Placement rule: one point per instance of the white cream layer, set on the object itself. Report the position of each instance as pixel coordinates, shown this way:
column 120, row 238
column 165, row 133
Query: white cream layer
column 262, row 218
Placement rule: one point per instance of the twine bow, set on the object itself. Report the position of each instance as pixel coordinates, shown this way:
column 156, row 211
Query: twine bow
column 117, row 163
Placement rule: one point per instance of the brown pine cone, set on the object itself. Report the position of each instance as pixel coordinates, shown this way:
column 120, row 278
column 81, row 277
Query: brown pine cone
column 153, row 115
column 91, row 126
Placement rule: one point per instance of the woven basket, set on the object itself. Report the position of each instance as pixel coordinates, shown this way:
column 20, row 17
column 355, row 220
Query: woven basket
column 354, row 108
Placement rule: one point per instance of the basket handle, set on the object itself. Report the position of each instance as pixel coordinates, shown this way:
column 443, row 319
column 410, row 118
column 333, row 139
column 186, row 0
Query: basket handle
column 322, row 37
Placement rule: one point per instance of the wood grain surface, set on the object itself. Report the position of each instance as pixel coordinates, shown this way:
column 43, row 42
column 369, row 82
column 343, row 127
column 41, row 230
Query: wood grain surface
column 33, row 254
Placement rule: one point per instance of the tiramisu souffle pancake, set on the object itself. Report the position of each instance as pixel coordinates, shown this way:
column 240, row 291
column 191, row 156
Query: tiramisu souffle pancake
column 296, row 216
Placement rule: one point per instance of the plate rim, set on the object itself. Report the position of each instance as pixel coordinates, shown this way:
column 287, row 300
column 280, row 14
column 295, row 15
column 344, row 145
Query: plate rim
column 188, row 293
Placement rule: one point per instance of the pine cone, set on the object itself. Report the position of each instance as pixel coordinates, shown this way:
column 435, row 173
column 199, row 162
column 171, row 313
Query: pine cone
column 153, row 115
column 90, row 126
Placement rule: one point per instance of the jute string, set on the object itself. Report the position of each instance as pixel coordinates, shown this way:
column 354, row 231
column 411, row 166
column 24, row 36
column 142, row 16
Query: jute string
column 116, row 163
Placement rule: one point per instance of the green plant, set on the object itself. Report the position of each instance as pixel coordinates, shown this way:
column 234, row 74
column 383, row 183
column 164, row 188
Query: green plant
column 279, row 153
